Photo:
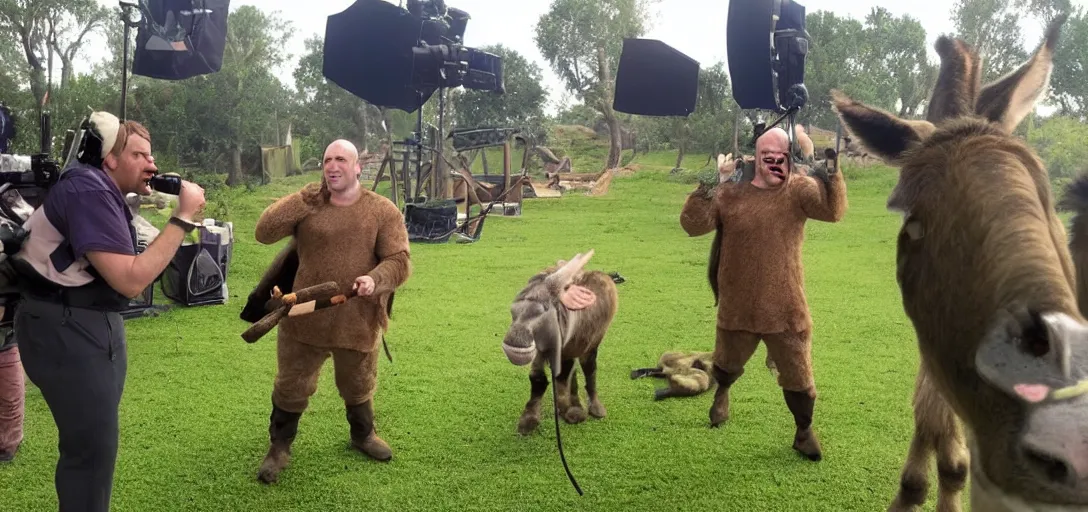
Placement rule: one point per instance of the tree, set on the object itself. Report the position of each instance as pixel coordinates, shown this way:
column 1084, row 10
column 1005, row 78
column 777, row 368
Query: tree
column 896, row 57
column 249, row 96
column 1068, row 82
column 328, row 111
column 582, row 42
column 711, row 124
column 992, row 27
column 72, row 22
column 521, row 106
column 44, row 28
column 836, row 46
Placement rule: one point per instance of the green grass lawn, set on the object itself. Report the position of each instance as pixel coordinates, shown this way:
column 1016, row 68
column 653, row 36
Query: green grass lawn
column 194, row 418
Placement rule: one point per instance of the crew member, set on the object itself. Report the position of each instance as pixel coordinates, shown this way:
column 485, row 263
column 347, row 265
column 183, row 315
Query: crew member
column 77, row 270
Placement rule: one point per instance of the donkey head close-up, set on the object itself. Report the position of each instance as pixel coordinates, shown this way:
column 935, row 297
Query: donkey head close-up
column 986, row 276
column 536, row 320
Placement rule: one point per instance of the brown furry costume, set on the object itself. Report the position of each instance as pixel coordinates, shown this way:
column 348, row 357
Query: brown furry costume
column 331, row 243
column 757, row 277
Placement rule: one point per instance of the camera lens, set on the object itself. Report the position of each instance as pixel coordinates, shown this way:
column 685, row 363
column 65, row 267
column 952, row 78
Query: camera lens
column 166, row 184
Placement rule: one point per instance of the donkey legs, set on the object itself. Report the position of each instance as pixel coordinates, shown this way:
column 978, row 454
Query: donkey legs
column 952, row 465
column 589, row 369
column 914, row 479
column 935, row 429
column 538, row 382
column 575, row 413
column 570, row 408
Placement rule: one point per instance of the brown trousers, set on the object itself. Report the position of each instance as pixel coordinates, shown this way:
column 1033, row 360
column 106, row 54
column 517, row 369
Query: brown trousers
column 790, row 351
column 12, row 393
column 298, row 367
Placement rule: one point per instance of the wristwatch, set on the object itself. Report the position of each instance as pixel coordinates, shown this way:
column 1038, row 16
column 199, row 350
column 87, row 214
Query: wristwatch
column 187, row 226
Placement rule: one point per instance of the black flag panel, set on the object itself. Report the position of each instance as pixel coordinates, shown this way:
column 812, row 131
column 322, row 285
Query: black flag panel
column 180, row 39
column 653, row 79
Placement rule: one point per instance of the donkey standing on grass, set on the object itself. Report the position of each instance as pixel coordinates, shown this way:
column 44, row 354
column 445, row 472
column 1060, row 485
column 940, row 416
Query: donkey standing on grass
column 987, row 279
column 561, row 315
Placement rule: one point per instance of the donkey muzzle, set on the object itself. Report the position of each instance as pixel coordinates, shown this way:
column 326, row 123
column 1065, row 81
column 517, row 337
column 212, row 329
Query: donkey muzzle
column 519, row 345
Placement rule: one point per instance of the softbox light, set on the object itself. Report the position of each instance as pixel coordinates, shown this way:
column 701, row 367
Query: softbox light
column 762, row 74
column 654, row 79
column 179, row 39
column 368, row 52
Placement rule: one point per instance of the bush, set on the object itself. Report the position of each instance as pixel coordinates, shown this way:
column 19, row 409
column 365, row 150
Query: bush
column 1060, row 142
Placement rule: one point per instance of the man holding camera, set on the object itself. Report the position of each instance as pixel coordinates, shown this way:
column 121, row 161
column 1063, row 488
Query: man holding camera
column 756, row 272
column 77, row 270
column 357, row 238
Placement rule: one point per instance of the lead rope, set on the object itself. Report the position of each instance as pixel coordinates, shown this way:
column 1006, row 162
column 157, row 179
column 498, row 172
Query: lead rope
column 557, row 361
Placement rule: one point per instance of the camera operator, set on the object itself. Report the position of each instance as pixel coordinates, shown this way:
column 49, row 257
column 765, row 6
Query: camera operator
column 77, row 270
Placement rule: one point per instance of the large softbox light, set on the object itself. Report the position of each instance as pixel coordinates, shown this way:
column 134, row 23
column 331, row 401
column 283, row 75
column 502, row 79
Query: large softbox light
column 180, row 39
column 368, row 52
column 654, row 79
column 762, row 74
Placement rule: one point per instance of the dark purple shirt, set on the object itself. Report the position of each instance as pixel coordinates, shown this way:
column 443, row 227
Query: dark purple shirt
column 87, row 208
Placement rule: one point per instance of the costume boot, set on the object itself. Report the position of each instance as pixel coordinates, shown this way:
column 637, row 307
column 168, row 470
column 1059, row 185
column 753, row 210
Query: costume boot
column 363, row 436
column 719, row 411
column 282, row 428
column 804, row 441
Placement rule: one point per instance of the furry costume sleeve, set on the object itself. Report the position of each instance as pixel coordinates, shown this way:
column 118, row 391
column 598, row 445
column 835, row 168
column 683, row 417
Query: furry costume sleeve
column 699, row 215
column 823, row 197
column 278, row 221
column 394, row 266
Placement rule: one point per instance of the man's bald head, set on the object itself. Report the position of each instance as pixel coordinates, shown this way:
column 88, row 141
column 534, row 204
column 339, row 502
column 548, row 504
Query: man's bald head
column 341, row 166
column 775, row 137
column 772, row 158
column 344, row 145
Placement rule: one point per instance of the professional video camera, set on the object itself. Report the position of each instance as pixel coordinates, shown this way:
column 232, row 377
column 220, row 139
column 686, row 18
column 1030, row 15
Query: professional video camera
column 396, row 58
column 33, row 175
column 441, row 60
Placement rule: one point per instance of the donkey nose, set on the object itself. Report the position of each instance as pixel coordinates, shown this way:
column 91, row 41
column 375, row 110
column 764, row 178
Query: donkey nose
column 1056, row 455
column 1052, row 465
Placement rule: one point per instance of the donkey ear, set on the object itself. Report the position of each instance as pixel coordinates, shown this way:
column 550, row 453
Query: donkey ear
column 1009, row 99
column 566, row 273
column 882, row 133
column 958, row 79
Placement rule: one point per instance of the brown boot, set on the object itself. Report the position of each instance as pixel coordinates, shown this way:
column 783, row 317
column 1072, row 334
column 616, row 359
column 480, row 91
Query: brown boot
column 719, row 410
column 801, row 404
column 363, row 436
column 282, row 428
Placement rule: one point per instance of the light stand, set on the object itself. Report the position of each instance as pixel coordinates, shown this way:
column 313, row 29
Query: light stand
column 131, row 16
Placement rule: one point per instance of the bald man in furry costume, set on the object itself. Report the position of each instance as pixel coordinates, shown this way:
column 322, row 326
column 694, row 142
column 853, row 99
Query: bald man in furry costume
column 756, row 265
column 357, row 238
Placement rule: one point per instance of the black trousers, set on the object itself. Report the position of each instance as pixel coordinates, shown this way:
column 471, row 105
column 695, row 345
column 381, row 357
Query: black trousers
column 78, row 359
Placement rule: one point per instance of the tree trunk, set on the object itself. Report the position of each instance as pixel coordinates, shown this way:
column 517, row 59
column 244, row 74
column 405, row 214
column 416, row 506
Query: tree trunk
column 234, row 177
column 736, row 134
column 615, row 135
column 359, row 118
column 615, row 139
column 680, row 153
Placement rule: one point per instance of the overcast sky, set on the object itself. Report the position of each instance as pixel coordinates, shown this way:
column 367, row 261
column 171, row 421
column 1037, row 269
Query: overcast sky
column 695, row 27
